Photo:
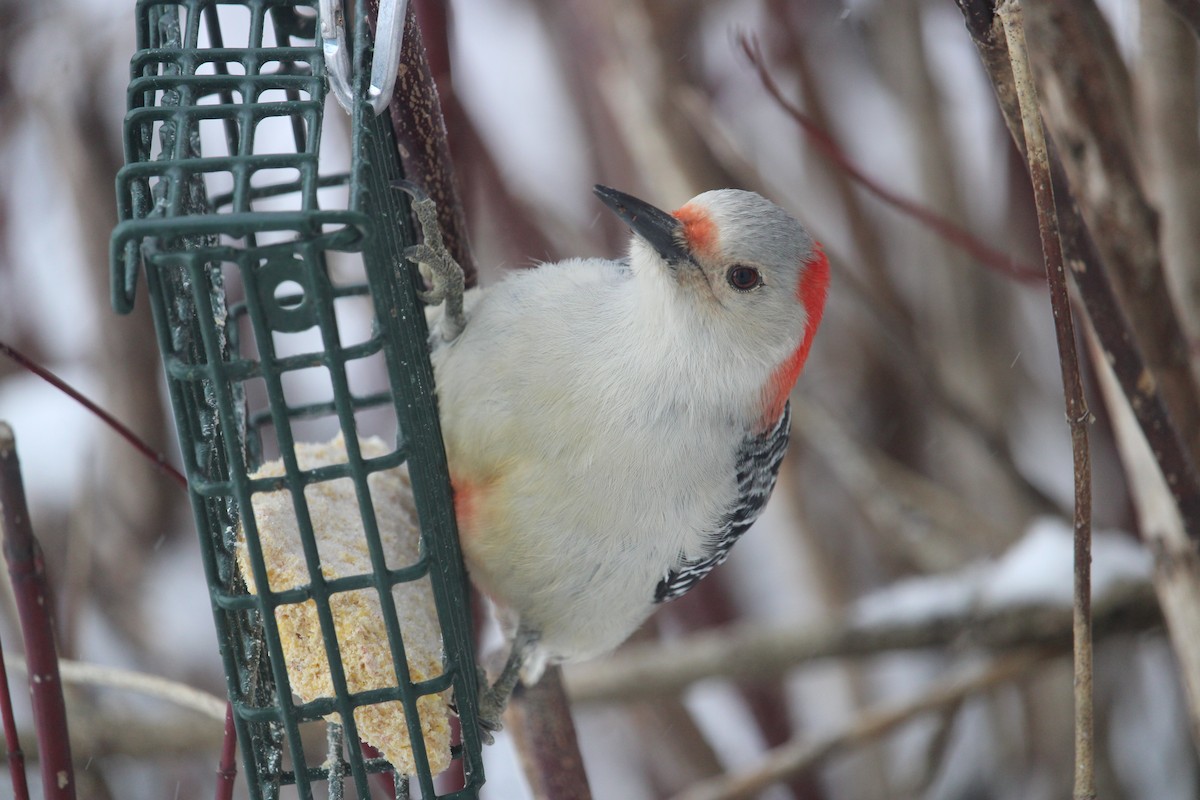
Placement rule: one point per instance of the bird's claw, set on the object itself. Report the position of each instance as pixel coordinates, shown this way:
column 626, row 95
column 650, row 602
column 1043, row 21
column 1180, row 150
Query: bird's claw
column 447, row 283
column 494, row 697
column 446, row 280
column 491, row 708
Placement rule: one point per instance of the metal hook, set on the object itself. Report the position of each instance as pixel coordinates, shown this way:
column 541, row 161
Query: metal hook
column 389, row 32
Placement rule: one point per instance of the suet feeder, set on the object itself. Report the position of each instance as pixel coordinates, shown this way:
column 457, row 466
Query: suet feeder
column 287, row 315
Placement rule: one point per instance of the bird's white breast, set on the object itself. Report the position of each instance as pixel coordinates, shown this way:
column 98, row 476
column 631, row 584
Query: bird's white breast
column 594, row 438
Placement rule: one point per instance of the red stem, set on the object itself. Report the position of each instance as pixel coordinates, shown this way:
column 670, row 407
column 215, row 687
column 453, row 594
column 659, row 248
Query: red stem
column 945, row 228
column 27, row 572
column 128, row 435
column 227, row 767
column 16, row 758
column 385, row 781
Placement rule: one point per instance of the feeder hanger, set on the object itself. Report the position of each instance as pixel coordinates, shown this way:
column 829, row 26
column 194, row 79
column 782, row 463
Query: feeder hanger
column 389, row 35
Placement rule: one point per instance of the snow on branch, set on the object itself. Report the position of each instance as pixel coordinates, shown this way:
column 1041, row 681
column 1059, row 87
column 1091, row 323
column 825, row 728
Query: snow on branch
column 1021, row 600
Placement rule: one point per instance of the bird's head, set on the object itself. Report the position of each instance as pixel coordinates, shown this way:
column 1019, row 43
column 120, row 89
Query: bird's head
column 744, row 268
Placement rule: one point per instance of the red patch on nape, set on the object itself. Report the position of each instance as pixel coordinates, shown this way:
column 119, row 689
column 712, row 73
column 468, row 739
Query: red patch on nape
column 811, row 292
column 698, row 229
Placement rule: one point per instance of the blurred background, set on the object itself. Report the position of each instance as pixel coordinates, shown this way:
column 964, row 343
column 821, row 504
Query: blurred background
column 929, row 477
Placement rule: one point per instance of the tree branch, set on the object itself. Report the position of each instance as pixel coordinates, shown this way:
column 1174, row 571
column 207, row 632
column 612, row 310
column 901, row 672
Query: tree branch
column 1085, row 92
column 748, row 652
column 945, row 228
column 83, row 673
column 1078, row 415
column 27, row 572
column 540, row 720
column 1171, row 533
column 1091, row 277
column 799, row 756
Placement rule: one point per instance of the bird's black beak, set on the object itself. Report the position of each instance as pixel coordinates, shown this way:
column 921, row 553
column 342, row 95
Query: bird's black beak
column 661, row 230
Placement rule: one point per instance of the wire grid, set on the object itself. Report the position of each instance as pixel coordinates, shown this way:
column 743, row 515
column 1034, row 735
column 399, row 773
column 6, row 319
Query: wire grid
column 279, row 322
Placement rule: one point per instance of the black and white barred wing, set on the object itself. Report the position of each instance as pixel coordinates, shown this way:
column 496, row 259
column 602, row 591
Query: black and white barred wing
column 758, row 465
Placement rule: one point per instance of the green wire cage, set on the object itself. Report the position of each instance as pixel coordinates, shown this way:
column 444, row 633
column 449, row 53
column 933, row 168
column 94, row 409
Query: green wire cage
column 286, row 313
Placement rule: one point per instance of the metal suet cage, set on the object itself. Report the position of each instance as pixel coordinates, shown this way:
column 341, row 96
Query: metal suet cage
column 260, row 270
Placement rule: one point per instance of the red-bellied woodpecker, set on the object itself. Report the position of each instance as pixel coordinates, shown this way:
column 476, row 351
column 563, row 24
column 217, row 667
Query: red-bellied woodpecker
column 613, row 427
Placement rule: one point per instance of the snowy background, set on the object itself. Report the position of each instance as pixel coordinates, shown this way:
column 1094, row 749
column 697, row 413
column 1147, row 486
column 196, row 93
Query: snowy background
column 929, row 476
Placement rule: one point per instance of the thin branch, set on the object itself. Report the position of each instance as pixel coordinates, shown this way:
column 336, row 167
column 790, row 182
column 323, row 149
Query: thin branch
column 83, row 673
column 1176, row 568
column 227, row 765
column 943, row 227
column 126, row 433
column 12, row 742
column 1176, row 578
column 1082, row 78
column 227, row 768
column 749, row 652
column 799, row 756
column 864, row 230
column 27, row 572
column 1115, row 333
column 1078, row 415
column 1144, row 393
column 102, row 732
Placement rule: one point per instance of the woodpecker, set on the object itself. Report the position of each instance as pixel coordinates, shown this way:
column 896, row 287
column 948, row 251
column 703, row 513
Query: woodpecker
column 612, row 427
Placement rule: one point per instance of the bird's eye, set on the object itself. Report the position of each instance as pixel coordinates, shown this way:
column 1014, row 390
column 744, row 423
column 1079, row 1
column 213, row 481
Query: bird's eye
column 743, row 278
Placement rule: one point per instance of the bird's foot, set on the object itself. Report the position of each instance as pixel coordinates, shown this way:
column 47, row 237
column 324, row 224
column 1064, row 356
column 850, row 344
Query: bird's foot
column 445, row 275
column 493, row 702
column 494, row 697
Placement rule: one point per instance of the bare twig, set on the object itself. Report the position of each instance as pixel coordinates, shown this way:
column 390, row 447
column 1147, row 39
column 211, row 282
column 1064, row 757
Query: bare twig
column 1113, row 327
column 1078, row 415
column 101, row 732
column 799, row 756
column 1167, row 530
column 945, row 228
column 227, row 768
column 83, row 673
column 227, row 765
column 1176, row 568
column 752, row 652
column 1081, row 78
column 1114, row 331
column 27, row 572
column 139, row 444
column 12, row 742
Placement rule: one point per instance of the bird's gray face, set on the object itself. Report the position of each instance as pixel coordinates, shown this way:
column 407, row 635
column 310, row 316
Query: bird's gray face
column 741, row 261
